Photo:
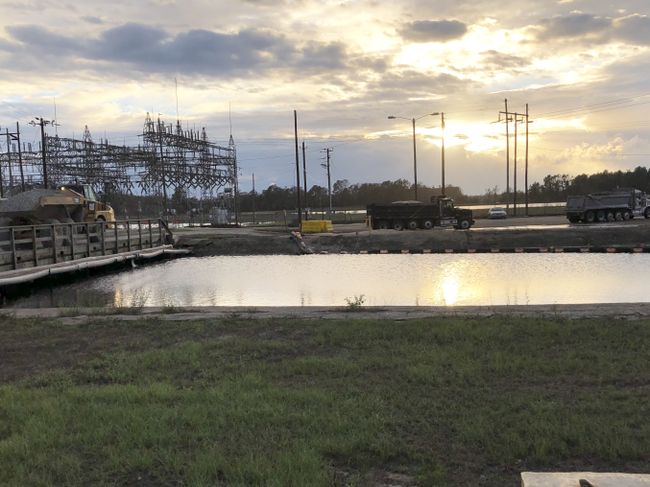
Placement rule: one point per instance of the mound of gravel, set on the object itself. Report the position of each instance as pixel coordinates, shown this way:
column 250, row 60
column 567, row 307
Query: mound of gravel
column 25, row 202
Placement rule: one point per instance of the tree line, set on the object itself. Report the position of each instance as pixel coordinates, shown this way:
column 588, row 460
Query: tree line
column 553, row 187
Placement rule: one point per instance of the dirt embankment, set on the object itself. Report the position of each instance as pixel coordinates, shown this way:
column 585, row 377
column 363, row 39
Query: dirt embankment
column 352, row 239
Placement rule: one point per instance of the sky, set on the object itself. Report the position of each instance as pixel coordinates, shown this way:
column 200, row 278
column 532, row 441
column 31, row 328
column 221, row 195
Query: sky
column 345, row 66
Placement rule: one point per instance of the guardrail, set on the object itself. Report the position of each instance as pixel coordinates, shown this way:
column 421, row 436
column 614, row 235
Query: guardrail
column 28, row 246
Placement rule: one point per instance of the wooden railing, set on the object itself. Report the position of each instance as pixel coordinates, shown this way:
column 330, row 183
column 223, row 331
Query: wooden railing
column 22, row 247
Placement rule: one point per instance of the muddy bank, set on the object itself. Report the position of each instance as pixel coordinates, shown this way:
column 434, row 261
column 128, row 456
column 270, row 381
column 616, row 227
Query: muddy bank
column 205, row 242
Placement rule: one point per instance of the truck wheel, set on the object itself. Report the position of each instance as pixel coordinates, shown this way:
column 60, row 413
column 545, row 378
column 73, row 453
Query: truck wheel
column 412, row 225
column 383, row 225
column 464, row 224
column 427, row 225
column 398, row 225
column 590, row 217
column 601, row 217
column 610, row 216
column 646, row 213
column 618, row 216
column 627, row 215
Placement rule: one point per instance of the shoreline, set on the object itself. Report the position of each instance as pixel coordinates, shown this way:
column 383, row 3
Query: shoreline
column 626, row 311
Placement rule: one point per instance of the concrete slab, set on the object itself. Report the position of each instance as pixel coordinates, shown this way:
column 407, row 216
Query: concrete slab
column 572, row 479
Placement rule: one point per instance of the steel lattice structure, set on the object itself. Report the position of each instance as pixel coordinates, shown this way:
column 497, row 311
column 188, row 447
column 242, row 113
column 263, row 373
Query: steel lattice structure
column 168, row 158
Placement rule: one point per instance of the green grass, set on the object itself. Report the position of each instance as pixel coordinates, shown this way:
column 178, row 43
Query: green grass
column 441, row 401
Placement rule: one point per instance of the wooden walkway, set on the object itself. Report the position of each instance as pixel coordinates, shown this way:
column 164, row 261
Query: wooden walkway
column 34, row 251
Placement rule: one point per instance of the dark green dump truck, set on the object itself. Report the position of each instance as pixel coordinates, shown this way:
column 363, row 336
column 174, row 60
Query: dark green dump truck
column 412, row 215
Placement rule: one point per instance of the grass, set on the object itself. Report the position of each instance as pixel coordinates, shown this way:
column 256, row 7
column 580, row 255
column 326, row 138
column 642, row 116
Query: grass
column 440, row 401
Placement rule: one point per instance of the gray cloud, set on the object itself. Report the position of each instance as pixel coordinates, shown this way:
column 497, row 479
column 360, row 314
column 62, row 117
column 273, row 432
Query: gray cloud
column 138, row 47
column 433, row 30
column 42, row 39
column 574, row 25
column 91, row 19
column 634, row 29
column 496, row 59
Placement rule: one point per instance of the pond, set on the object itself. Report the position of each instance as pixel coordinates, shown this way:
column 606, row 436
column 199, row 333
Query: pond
column 382, row 280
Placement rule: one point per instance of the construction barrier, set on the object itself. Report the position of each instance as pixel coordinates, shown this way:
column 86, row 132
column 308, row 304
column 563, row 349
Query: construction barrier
column 316, row 226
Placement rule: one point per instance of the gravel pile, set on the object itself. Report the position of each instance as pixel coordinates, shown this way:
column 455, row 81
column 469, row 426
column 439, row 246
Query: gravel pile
column 27, row 201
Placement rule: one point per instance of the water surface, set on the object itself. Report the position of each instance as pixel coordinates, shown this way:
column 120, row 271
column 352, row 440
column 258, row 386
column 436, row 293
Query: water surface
column 383, row 280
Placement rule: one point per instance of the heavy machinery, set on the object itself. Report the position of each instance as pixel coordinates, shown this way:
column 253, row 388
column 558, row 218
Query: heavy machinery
column 607, row 206
column 415, row 214
column 74, row 203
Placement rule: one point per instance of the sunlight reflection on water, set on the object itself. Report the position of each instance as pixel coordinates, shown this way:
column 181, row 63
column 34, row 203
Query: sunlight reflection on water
column 384, row 280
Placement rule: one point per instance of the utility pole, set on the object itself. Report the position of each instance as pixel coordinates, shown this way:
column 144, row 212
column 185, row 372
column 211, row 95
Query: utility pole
column 415, row 164
column 328, row 151
column 254, row 198
column 442, row 124
column 507, row 157
column 2, row 192
column 514, row 207
column 304, row 178
column 20, row 158
column 40, row 121
column 295, row 133
column 526, row 176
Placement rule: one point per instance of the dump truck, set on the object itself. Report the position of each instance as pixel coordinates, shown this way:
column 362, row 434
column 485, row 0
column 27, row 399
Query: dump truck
column 412, row 215
column 66, row 204
column 608, row 206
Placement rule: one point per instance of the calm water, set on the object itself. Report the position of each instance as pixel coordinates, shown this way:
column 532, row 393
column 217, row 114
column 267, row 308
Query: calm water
column 326, row 280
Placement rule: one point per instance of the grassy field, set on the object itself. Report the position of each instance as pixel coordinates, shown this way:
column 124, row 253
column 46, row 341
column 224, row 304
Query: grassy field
column 441, row 401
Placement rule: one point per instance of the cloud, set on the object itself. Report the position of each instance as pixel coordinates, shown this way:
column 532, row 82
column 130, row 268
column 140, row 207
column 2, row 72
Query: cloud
column 143, row 48
column 33, row 36
column 433, row 30
column 91, row 19
column 496, row 59
column 575, row 24
column 634, row 29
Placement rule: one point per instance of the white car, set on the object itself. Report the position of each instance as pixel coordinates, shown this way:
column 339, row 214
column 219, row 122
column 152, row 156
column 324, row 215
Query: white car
column 497, row 212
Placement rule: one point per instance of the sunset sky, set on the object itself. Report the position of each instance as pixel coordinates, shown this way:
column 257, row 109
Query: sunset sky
column 583, row 66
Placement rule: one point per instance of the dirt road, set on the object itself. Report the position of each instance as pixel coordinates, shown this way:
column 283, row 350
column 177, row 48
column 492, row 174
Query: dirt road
column 514, row 234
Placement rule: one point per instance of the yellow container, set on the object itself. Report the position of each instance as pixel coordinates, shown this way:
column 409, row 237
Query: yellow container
column 316, row 226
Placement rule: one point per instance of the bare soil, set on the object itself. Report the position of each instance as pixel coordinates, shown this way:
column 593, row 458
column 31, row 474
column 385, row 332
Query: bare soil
column 509, row 235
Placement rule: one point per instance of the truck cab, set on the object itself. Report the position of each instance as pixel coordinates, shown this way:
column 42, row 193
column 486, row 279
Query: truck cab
column 94, row 210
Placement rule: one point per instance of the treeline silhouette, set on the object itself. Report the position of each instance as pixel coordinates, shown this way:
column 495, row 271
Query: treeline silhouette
column 554, row 187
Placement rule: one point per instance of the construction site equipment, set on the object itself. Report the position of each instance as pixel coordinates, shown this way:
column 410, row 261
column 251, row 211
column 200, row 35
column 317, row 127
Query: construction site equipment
column 415, row 214
column 608, row 206
column 77, row 203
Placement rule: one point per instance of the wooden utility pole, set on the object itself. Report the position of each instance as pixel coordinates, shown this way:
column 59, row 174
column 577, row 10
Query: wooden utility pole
column 40, row 121
column 304, row 178
column 328, row 151
column 20, row 158
column 253, row 197
column 526, row 172
column 2, row 191
column 442, row 124
column 514, row 197
column 507, row 157
column 295, row 132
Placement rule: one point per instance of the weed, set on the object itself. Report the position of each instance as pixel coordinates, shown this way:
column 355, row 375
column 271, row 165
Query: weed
column 355, row 303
